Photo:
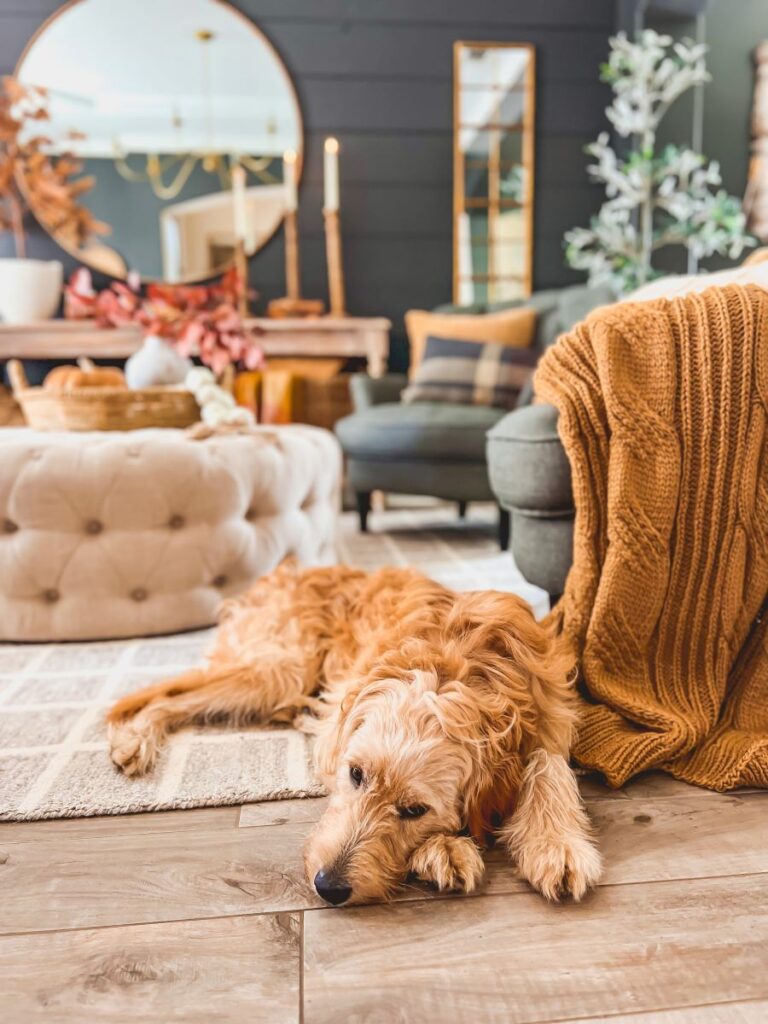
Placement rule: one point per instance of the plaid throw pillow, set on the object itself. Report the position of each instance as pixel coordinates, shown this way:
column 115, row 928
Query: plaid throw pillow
column 471, row 373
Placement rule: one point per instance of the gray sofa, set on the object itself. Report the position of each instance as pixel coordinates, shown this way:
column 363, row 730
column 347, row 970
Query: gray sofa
column 440, row 449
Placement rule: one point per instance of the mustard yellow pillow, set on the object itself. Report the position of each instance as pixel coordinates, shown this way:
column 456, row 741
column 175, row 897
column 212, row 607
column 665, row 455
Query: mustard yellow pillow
column 514, row 327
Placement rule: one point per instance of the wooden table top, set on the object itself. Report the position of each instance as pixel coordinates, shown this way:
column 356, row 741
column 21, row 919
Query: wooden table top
column 69, row 339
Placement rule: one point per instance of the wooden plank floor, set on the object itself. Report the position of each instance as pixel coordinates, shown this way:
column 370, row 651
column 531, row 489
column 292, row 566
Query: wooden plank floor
column 205, row 915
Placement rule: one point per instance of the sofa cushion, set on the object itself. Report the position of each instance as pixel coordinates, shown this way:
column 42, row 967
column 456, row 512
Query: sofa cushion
column 471, row 373
column 422, row 430
column 515, row 327
column 526, row 461
column 557, row 309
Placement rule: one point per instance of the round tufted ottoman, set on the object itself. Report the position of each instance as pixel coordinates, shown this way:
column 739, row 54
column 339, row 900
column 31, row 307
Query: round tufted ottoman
column 108, row 535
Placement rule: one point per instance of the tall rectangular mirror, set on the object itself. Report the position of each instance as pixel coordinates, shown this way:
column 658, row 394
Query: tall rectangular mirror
column 493, row 156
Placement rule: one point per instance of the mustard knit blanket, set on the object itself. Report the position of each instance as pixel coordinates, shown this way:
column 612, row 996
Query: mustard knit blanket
column 664, row 418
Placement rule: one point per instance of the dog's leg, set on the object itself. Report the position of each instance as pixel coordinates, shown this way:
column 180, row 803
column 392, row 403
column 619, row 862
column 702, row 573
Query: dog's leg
column 449, row 862
column 549, row 834
column 139, row 723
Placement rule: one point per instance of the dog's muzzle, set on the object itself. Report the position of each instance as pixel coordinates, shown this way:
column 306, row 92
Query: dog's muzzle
column 331, row 888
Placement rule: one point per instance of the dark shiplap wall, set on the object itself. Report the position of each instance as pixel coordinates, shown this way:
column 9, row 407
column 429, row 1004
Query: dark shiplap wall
column 377, row 73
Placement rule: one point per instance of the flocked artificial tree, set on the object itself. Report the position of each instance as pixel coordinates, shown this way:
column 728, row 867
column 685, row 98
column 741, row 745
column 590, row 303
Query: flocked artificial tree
column 655, row 199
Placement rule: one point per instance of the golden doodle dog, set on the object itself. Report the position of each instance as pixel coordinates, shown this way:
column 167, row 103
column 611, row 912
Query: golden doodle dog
column 441, row 719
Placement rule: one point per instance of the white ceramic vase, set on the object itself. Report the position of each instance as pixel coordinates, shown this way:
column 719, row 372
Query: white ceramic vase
column 156, row 363
column 29, row 290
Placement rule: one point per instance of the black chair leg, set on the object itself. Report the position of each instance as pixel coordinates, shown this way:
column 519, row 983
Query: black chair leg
column 363, row 508
column 503, row 528
column 462, row 509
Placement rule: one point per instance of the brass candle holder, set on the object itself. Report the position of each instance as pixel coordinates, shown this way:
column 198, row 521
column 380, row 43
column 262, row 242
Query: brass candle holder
column 241, row 267
column 335, row 265
column 292, row 273
column 292, row 304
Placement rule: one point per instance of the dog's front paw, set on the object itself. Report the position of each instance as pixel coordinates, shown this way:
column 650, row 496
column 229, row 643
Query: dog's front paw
column 132, row 749
column 449, row 862
column 557, row 869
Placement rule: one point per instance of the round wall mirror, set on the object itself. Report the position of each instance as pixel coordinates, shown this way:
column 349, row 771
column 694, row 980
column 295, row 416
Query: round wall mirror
column 182, row 114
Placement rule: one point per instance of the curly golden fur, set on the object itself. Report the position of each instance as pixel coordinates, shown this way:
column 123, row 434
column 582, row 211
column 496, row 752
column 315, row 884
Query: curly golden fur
column 440, row 719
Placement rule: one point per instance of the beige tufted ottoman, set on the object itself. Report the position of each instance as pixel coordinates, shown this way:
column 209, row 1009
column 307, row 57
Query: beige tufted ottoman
column 130, row 534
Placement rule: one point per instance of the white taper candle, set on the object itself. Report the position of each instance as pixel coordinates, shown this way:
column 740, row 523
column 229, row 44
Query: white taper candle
column 239, row 211
column 331, row 175
column 289, row 179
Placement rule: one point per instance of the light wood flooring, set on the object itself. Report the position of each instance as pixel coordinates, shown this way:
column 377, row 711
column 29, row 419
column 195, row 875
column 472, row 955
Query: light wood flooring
column 204, row 916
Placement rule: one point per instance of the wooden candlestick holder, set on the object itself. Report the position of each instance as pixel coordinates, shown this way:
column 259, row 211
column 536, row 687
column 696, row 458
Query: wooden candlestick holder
column 292, row 304
column 292, row 273
column 335, row 264
column 241, row 266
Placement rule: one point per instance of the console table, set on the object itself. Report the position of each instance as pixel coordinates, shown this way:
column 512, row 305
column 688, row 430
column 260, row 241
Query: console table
column 321, row 336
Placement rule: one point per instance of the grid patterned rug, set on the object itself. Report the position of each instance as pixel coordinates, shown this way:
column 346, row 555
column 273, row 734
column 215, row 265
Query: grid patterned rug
column 53, row 749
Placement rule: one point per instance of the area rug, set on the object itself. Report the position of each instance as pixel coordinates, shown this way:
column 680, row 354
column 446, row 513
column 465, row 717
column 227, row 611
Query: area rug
column 53, row 750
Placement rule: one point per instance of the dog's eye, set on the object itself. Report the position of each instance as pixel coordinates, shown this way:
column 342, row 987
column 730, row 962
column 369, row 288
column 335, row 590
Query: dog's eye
column 412, row 812
column 356, row 774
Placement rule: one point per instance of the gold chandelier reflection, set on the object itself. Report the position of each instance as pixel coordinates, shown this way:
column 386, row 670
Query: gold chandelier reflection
column 156, row 167
column 181, row 165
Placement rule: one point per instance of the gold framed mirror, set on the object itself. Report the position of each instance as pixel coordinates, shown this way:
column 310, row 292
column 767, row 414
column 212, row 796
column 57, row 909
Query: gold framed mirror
column 494, row 87
column 167, row 98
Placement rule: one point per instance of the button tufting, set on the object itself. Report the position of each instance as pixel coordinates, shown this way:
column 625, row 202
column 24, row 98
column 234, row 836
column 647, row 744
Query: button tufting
column 250, row 514
column 9, row 526
column 51, row 596
column 94, row 527
column 221, row 580
column 139, row 594
column 176, row 522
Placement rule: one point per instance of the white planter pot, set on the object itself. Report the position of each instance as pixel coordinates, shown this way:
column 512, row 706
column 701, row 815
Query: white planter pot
column 29, row 289
column 156, row 362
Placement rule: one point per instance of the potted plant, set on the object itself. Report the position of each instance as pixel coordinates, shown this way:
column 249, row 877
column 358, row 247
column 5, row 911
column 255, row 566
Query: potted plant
column 656, row 197
column 32, row 178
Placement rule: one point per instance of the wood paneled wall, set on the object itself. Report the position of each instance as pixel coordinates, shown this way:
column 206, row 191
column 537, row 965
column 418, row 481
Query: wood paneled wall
column 377, row 73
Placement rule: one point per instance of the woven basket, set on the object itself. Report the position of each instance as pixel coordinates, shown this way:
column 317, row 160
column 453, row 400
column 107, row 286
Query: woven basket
column 102, row 408
column 324, row 402
column 10, row 412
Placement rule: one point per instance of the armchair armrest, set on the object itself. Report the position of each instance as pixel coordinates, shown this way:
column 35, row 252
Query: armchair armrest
column 527, row 464
column 367, row 391
column 530, row 475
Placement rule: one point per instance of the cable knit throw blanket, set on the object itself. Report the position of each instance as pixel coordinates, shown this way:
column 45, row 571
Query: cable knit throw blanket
column 664, row 417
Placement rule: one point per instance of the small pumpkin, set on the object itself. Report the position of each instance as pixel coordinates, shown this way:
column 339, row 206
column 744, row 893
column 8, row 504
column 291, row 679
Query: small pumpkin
column 84, row 375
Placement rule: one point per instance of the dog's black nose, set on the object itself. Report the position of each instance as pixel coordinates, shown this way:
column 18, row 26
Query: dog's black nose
column 331, row 888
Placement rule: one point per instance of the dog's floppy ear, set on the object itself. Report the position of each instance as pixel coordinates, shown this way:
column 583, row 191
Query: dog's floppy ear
column 492, row 798
column 519, row 684
column 522, row 661
column 336, row 730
